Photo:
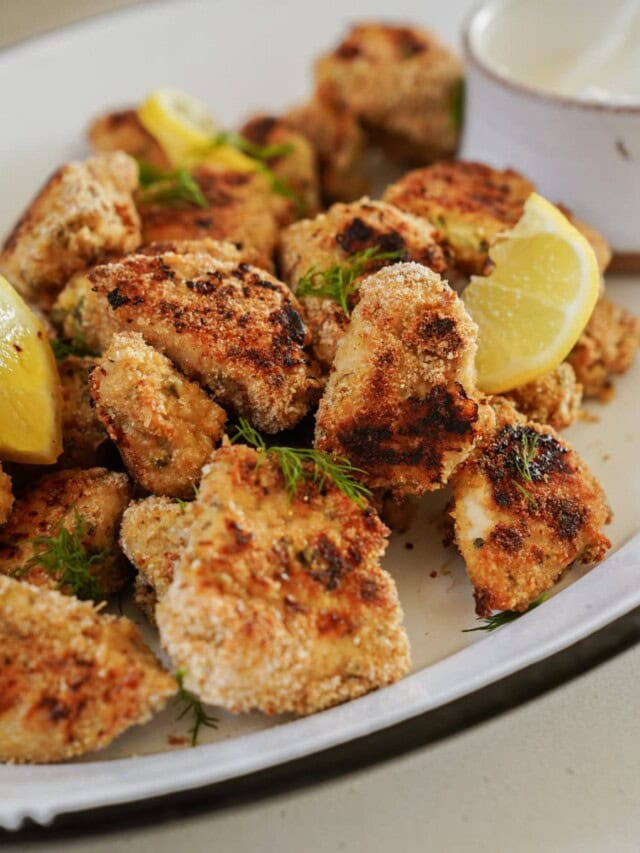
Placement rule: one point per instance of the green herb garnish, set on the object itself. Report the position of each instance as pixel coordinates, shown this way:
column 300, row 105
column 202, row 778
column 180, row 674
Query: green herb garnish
column 524, row 491
column 457, row 104
column 65, row 557
column 341, row 280
column 158, row 186
column 181, row 503
column 299, row 463
column 193, row 706
column 497, row 620
column 526, row 453
column 63, row 349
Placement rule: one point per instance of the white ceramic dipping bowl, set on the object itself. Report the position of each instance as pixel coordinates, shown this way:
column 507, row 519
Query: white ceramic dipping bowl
column 581, row 151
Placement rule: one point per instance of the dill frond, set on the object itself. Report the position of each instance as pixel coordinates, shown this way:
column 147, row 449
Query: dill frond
column 65, row 557
column 158, row 186
column 341, row 280
column 525, row 454
column 192, row 705
column 497, row 620
column 301, row 463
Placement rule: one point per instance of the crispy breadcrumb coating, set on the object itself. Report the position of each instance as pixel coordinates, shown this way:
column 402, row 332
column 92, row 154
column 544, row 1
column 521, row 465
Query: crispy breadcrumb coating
column 83, row 212
column 340, row 145
column 402, row 83
column 470, row 204
column 153, row 534
column 164, row 425
column 554, row 399
column 71, row 679
column 6, row 496
column 607, row 346
column 401, row 401
column 234, row 328
column 525, row 508
column 332, row 238
column 239, row 209
column 281, row 604
column 98, row 496
column 82, row 433
column 122, row 130
column 297, row 168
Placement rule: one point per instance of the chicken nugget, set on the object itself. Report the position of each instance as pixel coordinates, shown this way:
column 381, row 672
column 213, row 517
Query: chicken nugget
column 164, row 425
column 82, row 433
column 554, row 399
column 83, row 212
column 72, row 679
column 401, row 402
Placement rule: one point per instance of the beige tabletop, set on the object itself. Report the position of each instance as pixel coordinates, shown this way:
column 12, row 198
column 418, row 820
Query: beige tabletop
column 561, row 773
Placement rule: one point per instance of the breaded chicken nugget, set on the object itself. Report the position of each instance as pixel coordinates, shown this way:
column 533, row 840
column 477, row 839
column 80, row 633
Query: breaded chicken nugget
column 164, row 425
column 401, row 401
column 233, row 327
column 332, row 239
column 525, row 508
column 71, row 679
column 82, row 433
column 6, row 496
column 89, row 505
column 554, row 399
column 239, row 209
column 280, row 604
column 84, row 211
column 294, row 165
column 153, row 534
column 339, row 143
column 469, row 204
column 122, row 130
column 402, row 83
column 607, row 346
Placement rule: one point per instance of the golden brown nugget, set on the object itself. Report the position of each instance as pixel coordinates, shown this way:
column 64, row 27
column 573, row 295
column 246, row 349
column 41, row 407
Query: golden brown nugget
column 6, row 496
column 122, row 130
column 298, row 193
column 72, row 679
column 164, row 425
column 280, row 604
column 554, row 399
column 153, row 535
column 340, row 146
column 82, row 433
column 84, row 211
column 239, row 209
column 332, row 239
column 607, row 347
column 468, row 203
column 525, row 508
column 401, row 402
column 232, row 327
column 89, row 505
column 402, row 83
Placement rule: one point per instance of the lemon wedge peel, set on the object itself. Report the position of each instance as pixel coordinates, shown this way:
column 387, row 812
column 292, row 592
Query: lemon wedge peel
column 537, row 300
column 30, row 395
column 183, row 127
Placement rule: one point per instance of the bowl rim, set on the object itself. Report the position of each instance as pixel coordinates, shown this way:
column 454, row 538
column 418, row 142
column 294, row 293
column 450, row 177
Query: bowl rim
column 473, row 57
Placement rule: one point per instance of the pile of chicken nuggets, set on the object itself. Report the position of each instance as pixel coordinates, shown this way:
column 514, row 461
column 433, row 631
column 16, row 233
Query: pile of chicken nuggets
column 190, row 320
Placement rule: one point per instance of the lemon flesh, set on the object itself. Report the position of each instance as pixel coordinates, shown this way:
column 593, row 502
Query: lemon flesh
column 536, row 302
column 30, row 399
column 182, row 126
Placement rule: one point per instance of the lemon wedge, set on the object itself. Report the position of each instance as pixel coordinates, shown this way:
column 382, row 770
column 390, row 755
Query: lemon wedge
column 537, row 300
column 30, row 399
column 182, row 126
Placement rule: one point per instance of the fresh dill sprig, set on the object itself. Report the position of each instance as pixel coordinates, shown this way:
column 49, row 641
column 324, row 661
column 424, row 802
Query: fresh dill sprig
column 158, row 186
column 524, row 491
column 181, row 503
column 192, row 705
column 497, row 620
column 77, row 346
column 300, row 463
column 340, row 281
column 261, row 155
column 525, row 454
column 65, row 557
